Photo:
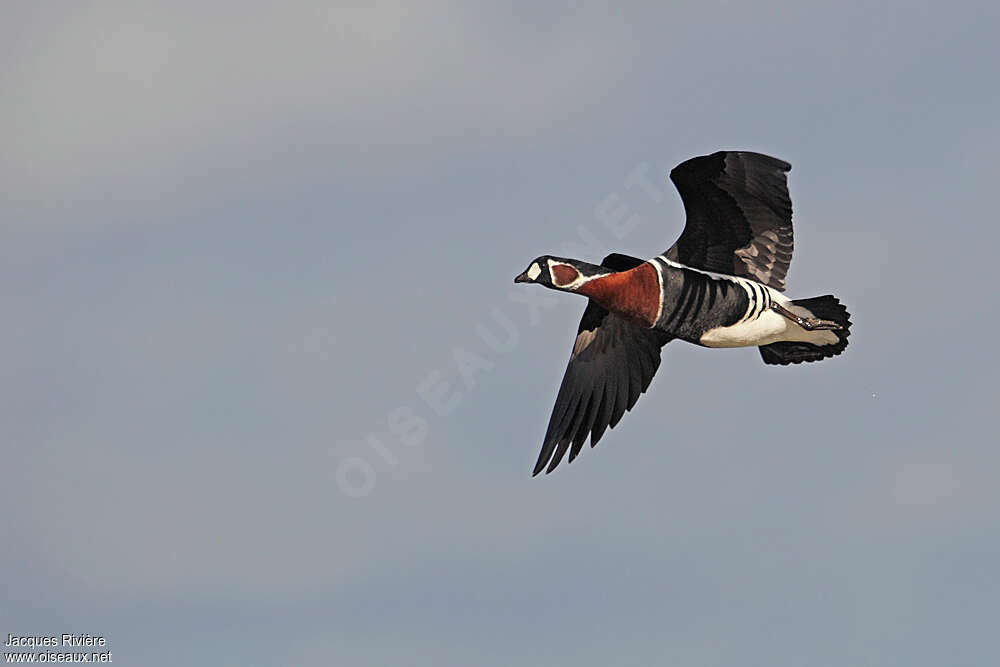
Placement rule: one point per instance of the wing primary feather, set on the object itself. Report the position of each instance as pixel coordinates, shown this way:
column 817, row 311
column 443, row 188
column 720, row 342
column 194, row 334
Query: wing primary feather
column 557, row 455
column 603, row 380
column 621, row 396
column 563, row 434
column 570, row 436
column 607, row 408
column 654, row 365
column 635, row 382
column 554, row 440
column 566, row 402
column 739, row 215
column 593, row 409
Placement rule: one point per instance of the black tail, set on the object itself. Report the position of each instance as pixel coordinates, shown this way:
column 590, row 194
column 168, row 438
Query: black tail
column 824, row 307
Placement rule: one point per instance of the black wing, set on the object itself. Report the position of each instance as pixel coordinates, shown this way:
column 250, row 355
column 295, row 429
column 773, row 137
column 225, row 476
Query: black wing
column 612, row 363
column 739, row 216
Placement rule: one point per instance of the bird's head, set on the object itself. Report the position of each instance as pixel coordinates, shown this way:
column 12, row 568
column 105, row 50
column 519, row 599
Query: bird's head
column 559, row 273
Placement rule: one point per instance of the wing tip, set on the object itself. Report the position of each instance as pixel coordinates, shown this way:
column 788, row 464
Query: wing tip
column 702, row 166
column 770, row 160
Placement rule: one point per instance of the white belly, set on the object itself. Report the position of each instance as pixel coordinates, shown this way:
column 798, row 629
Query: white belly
column 769, row 327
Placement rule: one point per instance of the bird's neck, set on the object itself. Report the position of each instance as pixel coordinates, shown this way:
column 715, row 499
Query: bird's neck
column 634, row 294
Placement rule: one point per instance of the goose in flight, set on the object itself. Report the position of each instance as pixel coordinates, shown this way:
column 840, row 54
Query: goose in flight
column 719, row 285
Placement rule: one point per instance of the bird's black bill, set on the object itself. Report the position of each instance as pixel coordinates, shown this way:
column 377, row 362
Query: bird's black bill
column 523, row 278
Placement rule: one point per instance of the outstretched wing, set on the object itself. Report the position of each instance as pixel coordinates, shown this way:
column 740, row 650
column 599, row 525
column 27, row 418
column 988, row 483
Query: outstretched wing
column 612, row 363
column 739, row 216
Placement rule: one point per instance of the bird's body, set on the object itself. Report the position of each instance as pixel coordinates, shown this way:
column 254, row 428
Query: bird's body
column 719, row 285
column 701, row 307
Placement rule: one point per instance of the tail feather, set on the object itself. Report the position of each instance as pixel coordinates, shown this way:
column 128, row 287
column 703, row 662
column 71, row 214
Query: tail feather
column 826, row 307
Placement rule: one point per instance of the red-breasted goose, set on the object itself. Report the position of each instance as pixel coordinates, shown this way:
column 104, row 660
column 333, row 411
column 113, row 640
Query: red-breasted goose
column 719, row 285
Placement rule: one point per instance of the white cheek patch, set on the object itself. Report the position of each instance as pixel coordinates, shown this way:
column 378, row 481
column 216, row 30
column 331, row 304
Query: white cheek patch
column 534, row 270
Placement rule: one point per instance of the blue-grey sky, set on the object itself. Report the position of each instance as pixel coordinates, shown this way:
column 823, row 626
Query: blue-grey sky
column 246, row 246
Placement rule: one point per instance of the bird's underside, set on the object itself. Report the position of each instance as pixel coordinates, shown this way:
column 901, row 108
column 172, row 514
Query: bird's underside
column 719, row 285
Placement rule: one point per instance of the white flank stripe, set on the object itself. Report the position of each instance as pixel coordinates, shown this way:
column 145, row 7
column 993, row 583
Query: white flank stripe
column 759, row 325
